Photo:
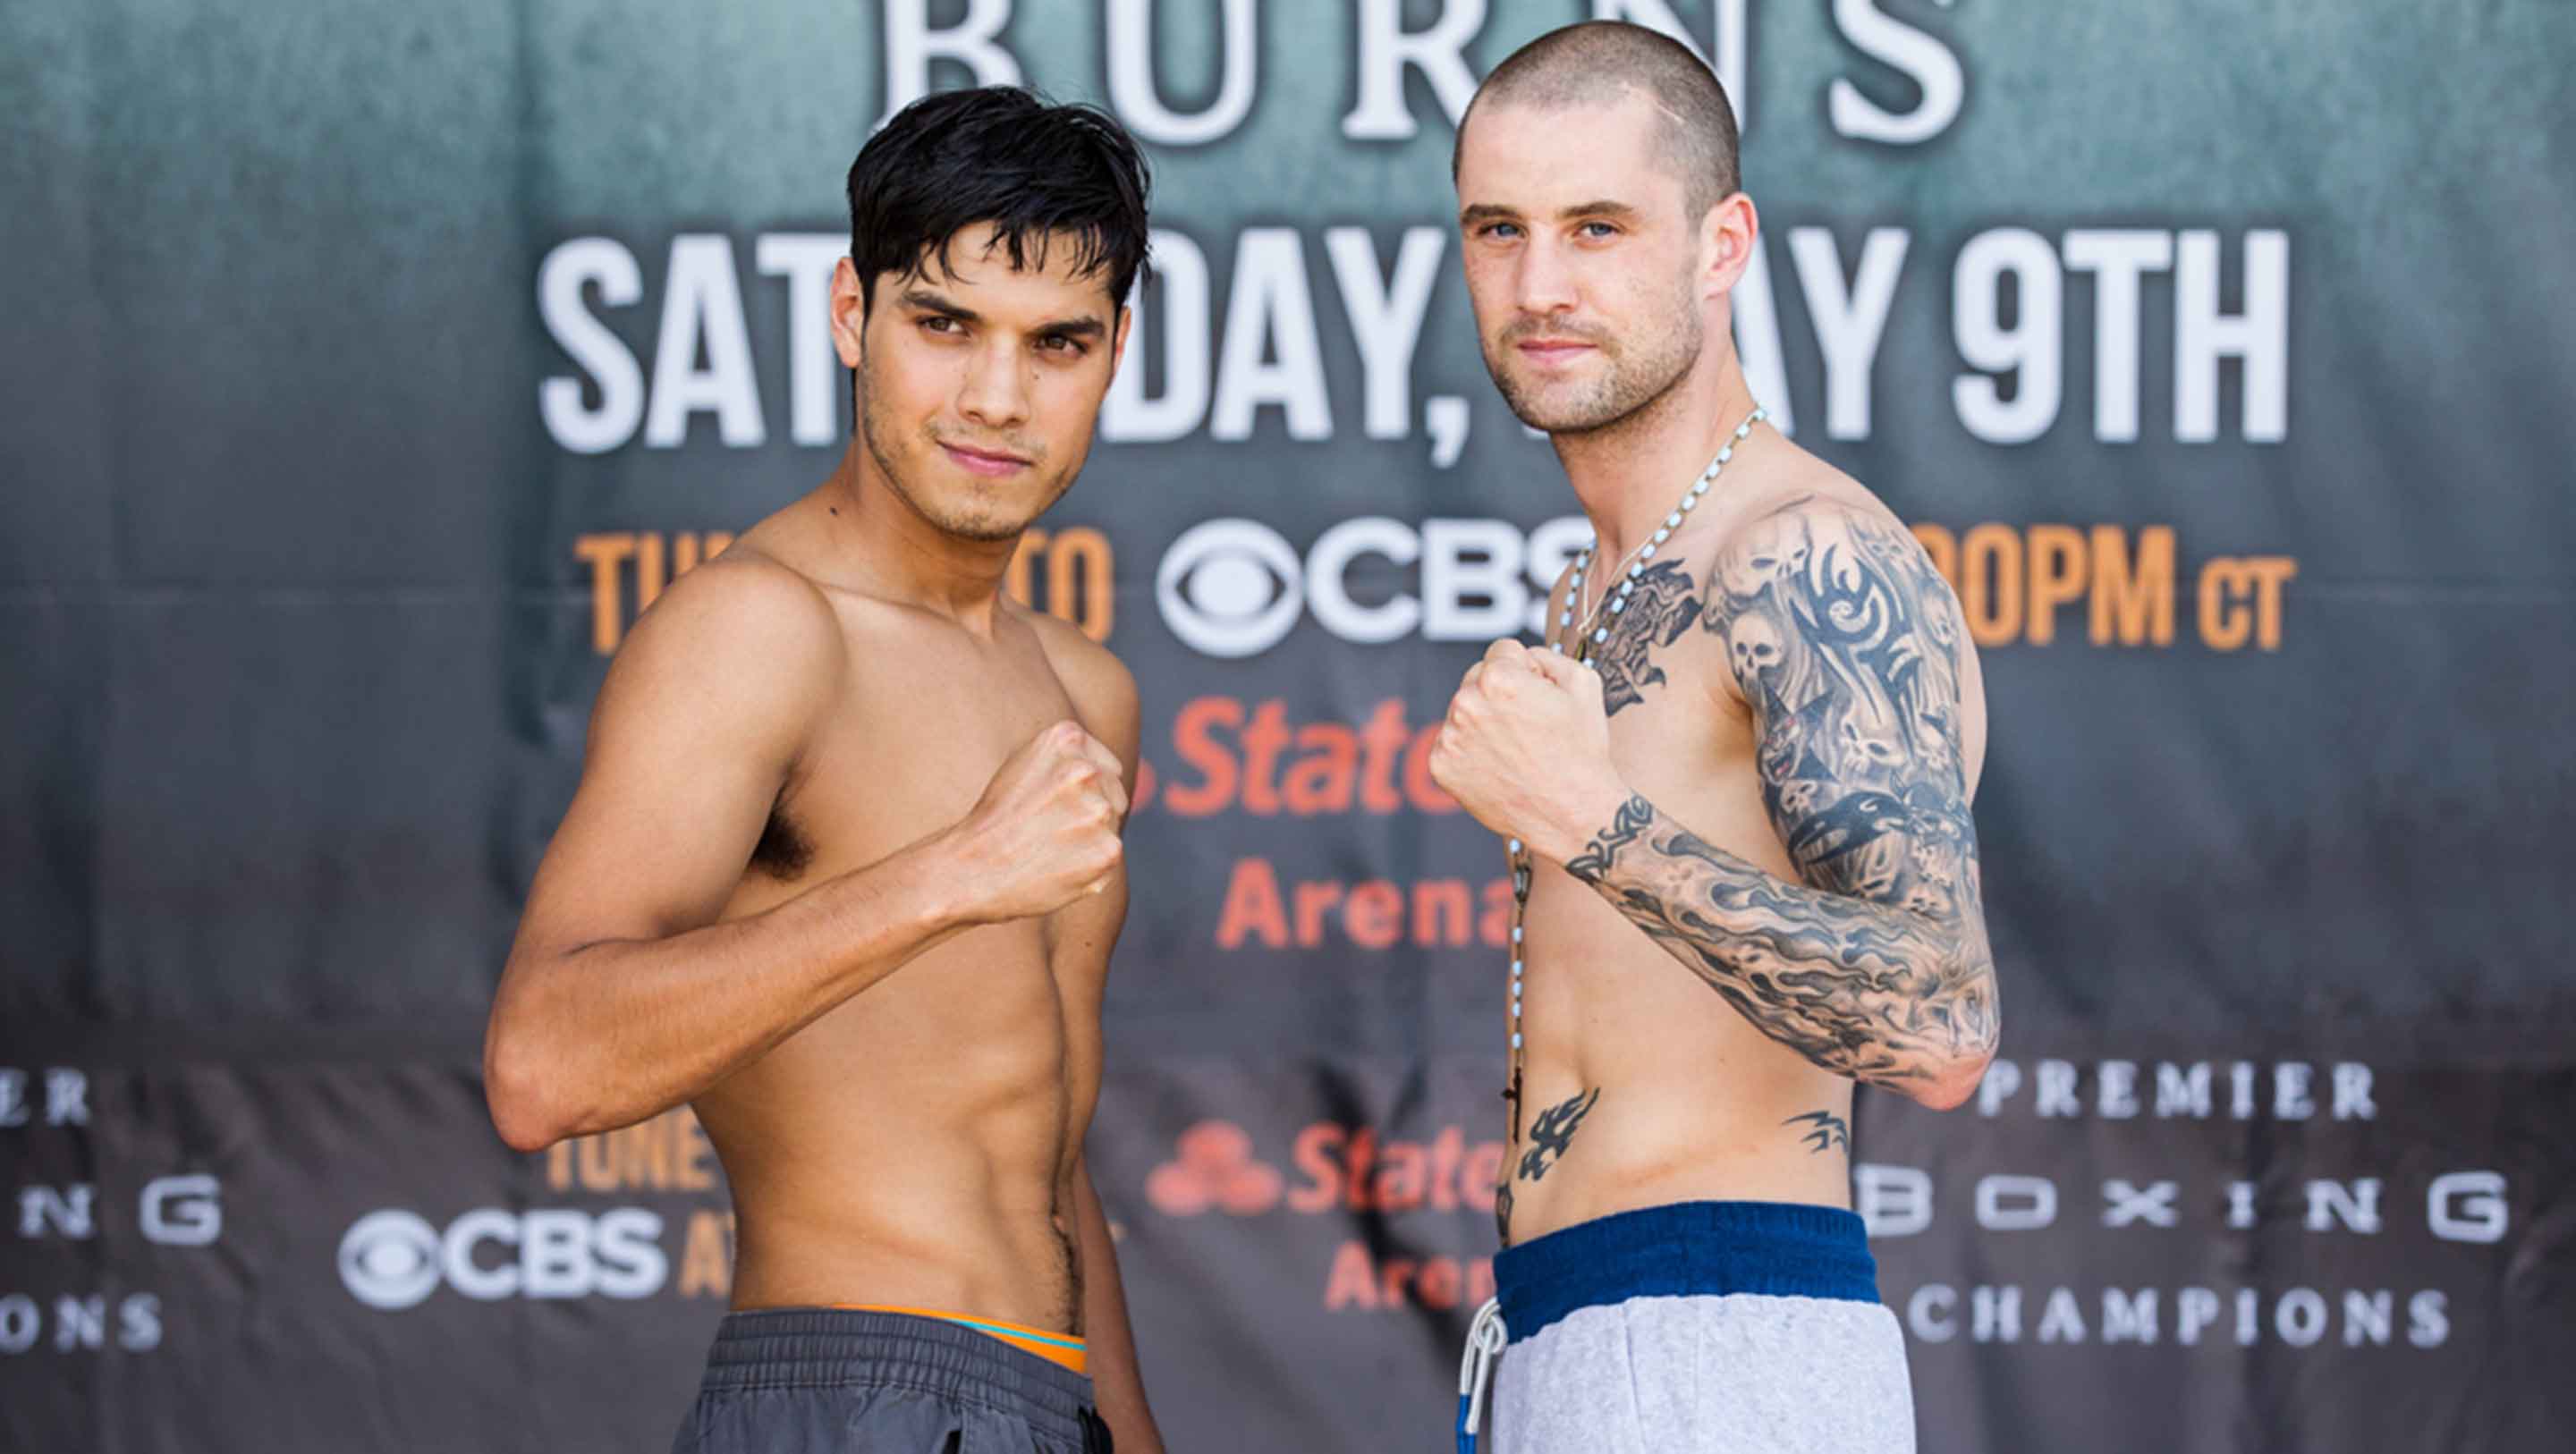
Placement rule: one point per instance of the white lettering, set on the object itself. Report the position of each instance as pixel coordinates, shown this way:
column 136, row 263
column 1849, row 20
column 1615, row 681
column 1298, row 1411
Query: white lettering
column 2030, row 350
column 702, row 304
column 1386, row 315
column 911, row 44
column 1131, row 76
column 1270, row 302
column 1387, row 49
column 807, row 261
column 586, row 262
column 2259, row 335
column 2117, row 258
column 1180, row 295
column 1932, row 66
column 1849, row 320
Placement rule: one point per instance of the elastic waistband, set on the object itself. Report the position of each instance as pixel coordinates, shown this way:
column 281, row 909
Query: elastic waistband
column 1689, row 1249
column 837, row 1347
column 1057, row 1348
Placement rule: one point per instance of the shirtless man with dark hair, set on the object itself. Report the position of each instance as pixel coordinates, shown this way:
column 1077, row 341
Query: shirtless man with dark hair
column 1734, row 783
column 843, row 871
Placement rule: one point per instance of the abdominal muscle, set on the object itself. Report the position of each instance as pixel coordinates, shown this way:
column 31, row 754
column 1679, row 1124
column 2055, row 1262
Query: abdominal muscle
column 908, row 1149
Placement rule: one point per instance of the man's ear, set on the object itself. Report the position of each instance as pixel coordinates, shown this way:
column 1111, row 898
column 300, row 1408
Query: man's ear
column 1728, row 235
column 1118, row 339
column 849, row 313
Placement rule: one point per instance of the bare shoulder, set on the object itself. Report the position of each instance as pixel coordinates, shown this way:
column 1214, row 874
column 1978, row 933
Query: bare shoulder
column 1817, row 572
column 1102, row 688
column 744, row 636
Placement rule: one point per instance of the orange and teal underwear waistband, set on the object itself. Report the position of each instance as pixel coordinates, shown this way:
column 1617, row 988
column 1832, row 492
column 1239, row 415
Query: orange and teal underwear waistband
column 1056, row 1348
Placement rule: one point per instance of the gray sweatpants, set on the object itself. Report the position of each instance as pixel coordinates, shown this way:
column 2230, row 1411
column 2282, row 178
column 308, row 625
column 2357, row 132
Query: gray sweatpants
column 839, row 1381
column 1695, row 1328
column 1742, row 1373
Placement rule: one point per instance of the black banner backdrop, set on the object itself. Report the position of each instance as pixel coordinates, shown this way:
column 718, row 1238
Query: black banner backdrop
column 370, row 368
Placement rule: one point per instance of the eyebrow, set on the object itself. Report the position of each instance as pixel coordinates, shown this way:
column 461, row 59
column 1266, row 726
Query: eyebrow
column 1086, row 326
column 1491, row 212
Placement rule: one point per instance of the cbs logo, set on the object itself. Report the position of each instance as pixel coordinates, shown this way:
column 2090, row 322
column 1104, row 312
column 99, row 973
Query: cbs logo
column 1236, row 588
column 394, row 1259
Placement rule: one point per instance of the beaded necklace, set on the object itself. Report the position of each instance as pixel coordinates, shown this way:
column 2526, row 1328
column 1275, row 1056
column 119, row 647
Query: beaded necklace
column 1586, row 637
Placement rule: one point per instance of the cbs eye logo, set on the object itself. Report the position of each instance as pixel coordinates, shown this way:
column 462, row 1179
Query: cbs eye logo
column 394, row 1259
column 1230, row 588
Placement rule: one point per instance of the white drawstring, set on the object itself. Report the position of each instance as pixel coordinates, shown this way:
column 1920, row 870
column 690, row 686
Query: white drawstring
column 1485, row 1339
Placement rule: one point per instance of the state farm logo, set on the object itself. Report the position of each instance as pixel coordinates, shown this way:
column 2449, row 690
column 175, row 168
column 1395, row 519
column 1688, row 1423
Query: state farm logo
column 1236, row 588
column 1339, row 1169
column 1214, row 1169
column 394, row 1259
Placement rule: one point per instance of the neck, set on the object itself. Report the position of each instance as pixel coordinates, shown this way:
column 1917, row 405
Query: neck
column 1629, row 475
column 871, row 534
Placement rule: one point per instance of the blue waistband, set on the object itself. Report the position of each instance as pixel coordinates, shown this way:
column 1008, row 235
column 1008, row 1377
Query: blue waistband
column 1688, row 1249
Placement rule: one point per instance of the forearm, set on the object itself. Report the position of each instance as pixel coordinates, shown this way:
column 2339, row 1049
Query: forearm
column 1874, row 992
column 1110, row 1344
column 601, row 1035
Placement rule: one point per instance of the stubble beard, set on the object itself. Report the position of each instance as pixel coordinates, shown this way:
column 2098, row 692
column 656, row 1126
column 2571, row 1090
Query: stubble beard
column 877, row 432
column 1642, row 372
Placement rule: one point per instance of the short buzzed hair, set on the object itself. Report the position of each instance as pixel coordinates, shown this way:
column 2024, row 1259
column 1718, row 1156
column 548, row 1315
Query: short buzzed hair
column 1603, row 60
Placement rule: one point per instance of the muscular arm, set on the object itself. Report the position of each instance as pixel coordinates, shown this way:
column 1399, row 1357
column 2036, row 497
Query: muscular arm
column 622, row 996
column 1844, row 644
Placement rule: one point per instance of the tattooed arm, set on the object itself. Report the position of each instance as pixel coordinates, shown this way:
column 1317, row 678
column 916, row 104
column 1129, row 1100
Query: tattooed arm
column 1845, row 645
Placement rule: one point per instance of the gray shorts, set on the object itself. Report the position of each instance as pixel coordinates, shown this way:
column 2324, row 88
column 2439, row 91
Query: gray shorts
column 1701, row 1327
column 836, row 1381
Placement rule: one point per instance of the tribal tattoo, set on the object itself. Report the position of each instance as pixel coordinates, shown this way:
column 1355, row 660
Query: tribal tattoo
column 1824, row 1132
column 1554, row 1132
column 1875, row 966
column 1657, row 613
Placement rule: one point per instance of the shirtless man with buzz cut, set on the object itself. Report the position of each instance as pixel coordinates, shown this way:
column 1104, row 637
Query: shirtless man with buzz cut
column 1734, row 783
column 843, row 871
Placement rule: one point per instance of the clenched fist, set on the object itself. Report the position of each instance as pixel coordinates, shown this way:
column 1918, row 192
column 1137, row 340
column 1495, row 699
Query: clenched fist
column 1526, row 749
column 1046, row 830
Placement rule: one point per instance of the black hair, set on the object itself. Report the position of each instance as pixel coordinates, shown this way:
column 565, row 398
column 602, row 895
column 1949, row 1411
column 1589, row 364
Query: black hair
column 1601, row 60
column 1004, row 156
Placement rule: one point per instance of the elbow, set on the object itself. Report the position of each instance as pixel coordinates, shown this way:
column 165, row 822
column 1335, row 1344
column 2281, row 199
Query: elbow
column 1976, row 1028
column 1950, row 1086
column 520, row 1091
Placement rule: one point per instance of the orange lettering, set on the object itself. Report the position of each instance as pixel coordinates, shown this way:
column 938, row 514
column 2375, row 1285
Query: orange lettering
column 1193, row 739
column 1352, row 1281
column 2057, row 572
column 1312, row 900
column 2133, row 598
column 1375, row 915
column 1321, row 780
column 1397, row 1186
column 1440, row 912
column 1383, row 736
column 1313, row 1153
column 1261, row 743
column 1252, row 906
column 607, row 613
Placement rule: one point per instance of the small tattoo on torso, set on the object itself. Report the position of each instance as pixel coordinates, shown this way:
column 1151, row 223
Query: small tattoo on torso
column 1824, row 1132
column 1658, row 612
column 1554, row 1131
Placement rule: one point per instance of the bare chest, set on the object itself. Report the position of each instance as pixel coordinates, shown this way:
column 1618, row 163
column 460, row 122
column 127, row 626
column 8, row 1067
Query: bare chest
column 927, row 716
column 1679, row 734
